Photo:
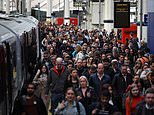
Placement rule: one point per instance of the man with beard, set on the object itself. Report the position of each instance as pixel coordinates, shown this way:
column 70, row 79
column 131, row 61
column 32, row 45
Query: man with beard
column 29, row 104
column 147, row 106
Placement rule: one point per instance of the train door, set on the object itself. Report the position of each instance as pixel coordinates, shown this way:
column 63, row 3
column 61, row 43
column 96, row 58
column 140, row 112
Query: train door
column 6, row 79
column 29, row 53
column 3, row 87
column 25, row 54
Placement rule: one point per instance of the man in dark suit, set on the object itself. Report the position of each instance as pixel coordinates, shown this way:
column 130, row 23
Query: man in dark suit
column 99, row 78
column 120, row 83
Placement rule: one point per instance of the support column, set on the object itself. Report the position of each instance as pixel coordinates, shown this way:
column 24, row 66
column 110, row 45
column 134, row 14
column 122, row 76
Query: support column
column 100, row 15
column 28, row 7
column 49, row 8
column 108, row 18
column 17, row 5
column 66, row 12
column 144, row 27
column 1, row 5
column 24, row 7
column 8, row 7
column 151, row 25
column 20, row 6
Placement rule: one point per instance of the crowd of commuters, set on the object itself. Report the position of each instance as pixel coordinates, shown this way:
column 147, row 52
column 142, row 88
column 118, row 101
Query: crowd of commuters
column 88, row 72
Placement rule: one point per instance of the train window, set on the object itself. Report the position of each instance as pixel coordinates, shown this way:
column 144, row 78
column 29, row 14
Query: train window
column 11, row 59
column 14, row 64
column 33, row 36
column 1, row 55
column 2, row 74
column 29, row 38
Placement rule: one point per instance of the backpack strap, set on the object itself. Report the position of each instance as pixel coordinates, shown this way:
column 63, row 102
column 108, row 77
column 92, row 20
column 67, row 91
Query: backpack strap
column 78, row 107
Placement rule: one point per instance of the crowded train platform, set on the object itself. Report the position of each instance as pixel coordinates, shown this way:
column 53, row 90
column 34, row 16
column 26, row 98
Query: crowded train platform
column 88, row 72
column 79, row 60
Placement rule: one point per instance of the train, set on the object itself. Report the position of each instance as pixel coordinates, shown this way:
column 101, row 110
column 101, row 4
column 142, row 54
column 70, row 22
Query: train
column 19, row 38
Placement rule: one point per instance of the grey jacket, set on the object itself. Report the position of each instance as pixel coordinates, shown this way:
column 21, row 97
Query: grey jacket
column 56, row 81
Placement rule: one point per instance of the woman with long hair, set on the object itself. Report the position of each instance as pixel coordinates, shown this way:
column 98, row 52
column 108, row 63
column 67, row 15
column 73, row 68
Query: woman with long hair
column 133, row 99
column 70, row 106
column 40, row 80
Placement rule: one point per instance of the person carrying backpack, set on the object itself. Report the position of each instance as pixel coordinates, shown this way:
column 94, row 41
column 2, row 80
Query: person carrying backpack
column 70, row 106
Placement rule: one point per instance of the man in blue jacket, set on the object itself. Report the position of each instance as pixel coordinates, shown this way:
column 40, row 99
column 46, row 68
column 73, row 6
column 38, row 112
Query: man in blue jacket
column 99, row 78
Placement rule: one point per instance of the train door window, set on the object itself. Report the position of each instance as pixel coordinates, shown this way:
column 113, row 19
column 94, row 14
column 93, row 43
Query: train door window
column 14, row 65
column 25, row 53
column 29, row 38
column 2, row 73
column 10, row 67
column 33, row 36
column 1, row 60
column 13, row 60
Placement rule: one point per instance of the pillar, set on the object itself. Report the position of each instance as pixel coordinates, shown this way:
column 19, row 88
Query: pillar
column 19, row 6
column 8, row 7
column 1, row 5
column 23, row 7
column 151, row 25
column 66, row 12
column 108, row 18
column 49, row 8
column 28, row 7
column 144, row 27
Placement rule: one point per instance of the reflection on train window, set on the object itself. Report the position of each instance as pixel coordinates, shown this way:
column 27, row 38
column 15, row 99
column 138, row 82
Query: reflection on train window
column 29, row 39
column 14, row 64
column 14, row 72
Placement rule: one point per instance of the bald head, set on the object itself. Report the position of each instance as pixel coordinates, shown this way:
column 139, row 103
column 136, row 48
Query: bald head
column 59, row 61
column 100, row 68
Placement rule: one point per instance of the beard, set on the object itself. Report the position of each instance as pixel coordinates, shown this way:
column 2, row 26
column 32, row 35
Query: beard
column 30, row 94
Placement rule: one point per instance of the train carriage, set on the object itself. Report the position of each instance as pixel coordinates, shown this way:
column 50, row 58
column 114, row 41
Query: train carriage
column 17, row 36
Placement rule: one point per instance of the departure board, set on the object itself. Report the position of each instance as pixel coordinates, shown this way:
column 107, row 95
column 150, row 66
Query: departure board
column 121, row 14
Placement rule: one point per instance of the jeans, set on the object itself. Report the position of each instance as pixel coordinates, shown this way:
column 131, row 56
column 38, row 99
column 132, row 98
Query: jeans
column 55, row 99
